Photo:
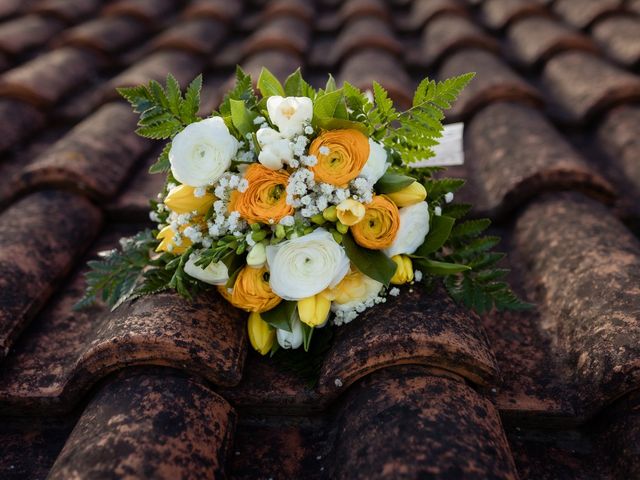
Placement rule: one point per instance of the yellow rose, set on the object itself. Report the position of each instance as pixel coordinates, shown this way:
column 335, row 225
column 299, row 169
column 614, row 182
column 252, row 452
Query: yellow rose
column 265, row 197
column 261, row 334
column 350, row 212
column 341, row 155
column 380, row 224
column 414, row 193
column 404, row 270
column 251, row 292
column 314, row 310
column 182, row 199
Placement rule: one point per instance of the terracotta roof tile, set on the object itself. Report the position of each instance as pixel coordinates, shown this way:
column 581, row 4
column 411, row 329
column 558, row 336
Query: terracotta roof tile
column 105, row 34
column 423, row 11
column 69, row 12
column 199, row 35
column 298, row 8
column 279, row 33
column 25, row 119
column 620, row 38
column 151, row 11
column 28, row 32
column 364, row 32
column 498, row 14
column 219, row 9
column 582, row 13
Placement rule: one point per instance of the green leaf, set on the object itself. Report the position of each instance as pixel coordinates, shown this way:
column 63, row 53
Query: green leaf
column 269, row 85
column 241, row 117
column 191, row 104
column 235, row 263
column 330, row 105
column 295, row 86
column 331, row 84
column 434, row 267
column 438, row 234
column 373, row 263
column 392, row 182
column 162, row 165
column 338, row 123
column 281, row 315
column 307, row 333
column 470, row 228
column 174, row 95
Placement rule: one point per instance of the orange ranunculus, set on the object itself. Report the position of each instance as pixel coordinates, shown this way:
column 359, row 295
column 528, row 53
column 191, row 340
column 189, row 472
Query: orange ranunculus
column 346, row 152
column 378, row 228
column 251, row 292
column 265, row 198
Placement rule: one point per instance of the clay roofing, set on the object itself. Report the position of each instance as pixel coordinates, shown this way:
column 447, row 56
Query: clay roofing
column 417, row 388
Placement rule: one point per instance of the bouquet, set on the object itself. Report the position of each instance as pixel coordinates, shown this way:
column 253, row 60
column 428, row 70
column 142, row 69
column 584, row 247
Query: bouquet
column 300, row 206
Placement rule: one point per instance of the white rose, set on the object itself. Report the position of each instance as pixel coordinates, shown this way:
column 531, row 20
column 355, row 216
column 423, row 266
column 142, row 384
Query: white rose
column 289, row 114
column 275, row 150
column 202, row 152
column 376, row 164
column 214, row 274
column 306, row 265
column 414, row 226
column 292, row 339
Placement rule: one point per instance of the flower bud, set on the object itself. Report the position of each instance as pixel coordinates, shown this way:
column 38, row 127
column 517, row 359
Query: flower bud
column 216, row 273
column 342, row 228
column 259, row 235
column 168, row 243
column 314, row 310
column 414, row 193
column 257, row 256
column 261, row 334
column 350, row 212
column 182, row 199
column 330, row 213
column 292, row 339
column 280, row 231
column 318, row 219
column 404, row 270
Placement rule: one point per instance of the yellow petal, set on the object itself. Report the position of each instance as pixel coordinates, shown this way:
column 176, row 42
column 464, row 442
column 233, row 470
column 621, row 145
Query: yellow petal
column 414, row 193
column 350, row 211
column 404, row 270
column 261, row 334
column 182, row 199
column 314, row 310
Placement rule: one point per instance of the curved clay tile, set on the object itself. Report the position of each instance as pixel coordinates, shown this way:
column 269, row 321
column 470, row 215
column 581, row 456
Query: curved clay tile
column 107, row 35
column 584, row 267
column 25, row 119
column 198, row 35
column 494, row 82
column 448, row 33
column 362, row 33
column 582, row 13
column 25, row 33
column 619, row 36
column 61, row 70
column 70, row 12
column 514, row 154
column 40, row 238
column 280, row 33
column 218, row 9
column 149, row 425
column 498, row 14
column 302, row 9
column 423, row 11
column 149, row 11
column 584, row 85
column 534, row 40
column 281, row 63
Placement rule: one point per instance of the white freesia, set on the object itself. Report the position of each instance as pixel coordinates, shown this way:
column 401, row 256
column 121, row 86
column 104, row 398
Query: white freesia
column 214, row 274
column 292, row 339
column 376, row 163
column 202, row 152
column 414, row 226
column 257, row 256
column 289, row 114
column 306, row 265
column 275, row 150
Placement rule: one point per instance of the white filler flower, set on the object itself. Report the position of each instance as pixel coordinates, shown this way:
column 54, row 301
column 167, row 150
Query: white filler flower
column 292, row 339
column 414, row 226
column 376, row 163
column 289, row 114
column 202, row 152
column 214, row 274
column 306, row 265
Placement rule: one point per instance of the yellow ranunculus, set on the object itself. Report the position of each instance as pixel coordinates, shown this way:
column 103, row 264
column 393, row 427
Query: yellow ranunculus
column 261, row 334
column 414, row 193
column 350, row 212
column 167, row 241
column 354, row 288
column 252, row 291
column 314, row 310
column 404, row 272
column 378, row 229
column 265, row 199
column 182, row 199
column 341, row 155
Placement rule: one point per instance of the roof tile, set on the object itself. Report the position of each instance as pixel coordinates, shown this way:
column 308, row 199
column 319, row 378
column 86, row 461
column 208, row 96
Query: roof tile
column 198, row 35
column 423, row 11
column 361, row 33
column 151, row 11
column 40, row 237
column 69, row 12
column 298, row 8
column 149, row 425
column 498, row 14
column 582, row 13
column 28, row 32
column 280, row 33
column 620, row 37
column 25, row 119
column 218, row 9
column 105, row 34
column 583, row 85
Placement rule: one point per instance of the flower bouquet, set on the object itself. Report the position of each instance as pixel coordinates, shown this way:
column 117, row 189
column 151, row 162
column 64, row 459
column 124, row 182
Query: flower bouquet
column 300, row 206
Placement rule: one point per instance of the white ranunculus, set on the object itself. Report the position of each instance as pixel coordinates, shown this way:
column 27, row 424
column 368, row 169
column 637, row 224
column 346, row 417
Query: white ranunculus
column 202, row 152
column 292, row 339
column 257, row 256
column 275, row 150
column 376, row 163
column 289, row 114
column 214, row 274
column 414, row 226
column 306, row 265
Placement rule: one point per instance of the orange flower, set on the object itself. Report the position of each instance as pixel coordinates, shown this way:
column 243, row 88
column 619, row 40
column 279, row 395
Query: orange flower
column 341, row 155
column 265, row 197
column 251, row 292
column 378, row 228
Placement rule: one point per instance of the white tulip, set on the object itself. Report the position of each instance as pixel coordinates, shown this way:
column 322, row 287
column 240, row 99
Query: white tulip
column 376, row 164
column 275, row 150
column 214, row 274
column 257, row 256
column 202, row 152
column 289, row 114
column 414, row 226
column 292, row 339
column 304, row 266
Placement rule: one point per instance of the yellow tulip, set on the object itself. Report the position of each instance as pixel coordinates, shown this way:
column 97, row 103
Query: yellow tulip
column 404, row 272
column 414, row 193
column 182, row 199
column 261, row 334
column 314, row 310
column 168, row 244
column 350, row 212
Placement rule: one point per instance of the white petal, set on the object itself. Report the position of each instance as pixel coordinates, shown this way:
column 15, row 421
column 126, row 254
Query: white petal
column 214, row 274
column 414, row 226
